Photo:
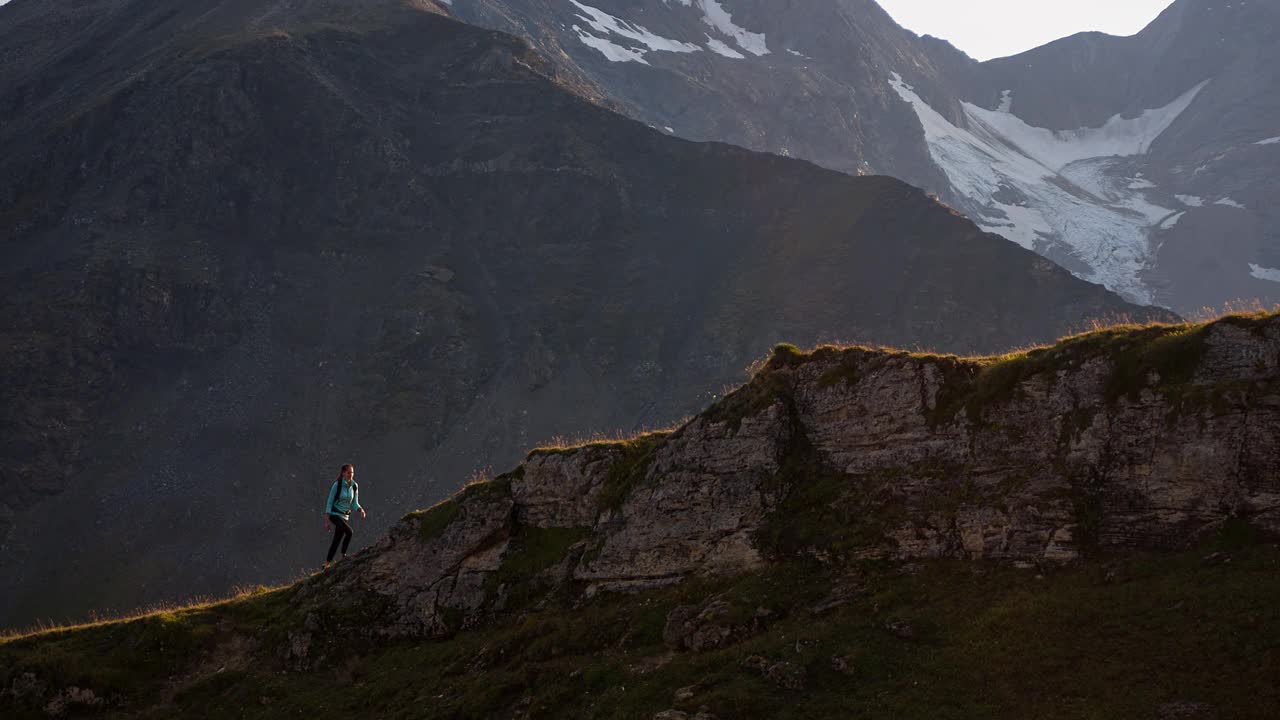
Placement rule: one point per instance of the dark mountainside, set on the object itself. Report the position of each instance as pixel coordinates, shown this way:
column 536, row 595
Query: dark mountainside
column 1085, row 530
column 247, row 242
column 817, row 81
column 827, row 104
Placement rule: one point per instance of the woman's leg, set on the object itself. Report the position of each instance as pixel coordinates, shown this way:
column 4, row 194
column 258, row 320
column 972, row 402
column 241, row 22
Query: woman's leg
column 346, row 541
column 341, row 530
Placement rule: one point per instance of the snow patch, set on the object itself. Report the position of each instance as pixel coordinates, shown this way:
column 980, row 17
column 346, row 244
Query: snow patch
column 1190, row 200
column 1230, row 203
column 1269, row 141
column 714, row 14
column 1172, row 220
column 1264, row 273
column 606, row 24
column 1059, row 192
column 1006, row 101
column 612, row 52
column 719, row 48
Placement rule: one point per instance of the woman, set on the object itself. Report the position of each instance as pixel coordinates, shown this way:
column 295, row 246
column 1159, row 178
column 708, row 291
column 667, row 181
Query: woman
column 343, row 498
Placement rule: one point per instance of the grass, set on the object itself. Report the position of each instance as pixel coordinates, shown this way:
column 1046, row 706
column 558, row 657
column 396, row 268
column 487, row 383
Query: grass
column 1097, row 640
column 600, row 441
column 239, row 595
column 433, row 521
column 629, row 468
column 143, row 655
column 533, row 552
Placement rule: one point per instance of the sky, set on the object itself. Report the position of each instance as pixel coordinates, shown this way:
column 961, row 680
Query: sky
column 988, row 29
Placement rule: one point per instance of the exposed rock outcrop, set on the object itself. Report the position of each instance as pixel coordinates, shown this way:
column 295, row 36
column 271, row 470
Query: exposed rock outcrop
column 1139, row 437
column 713, row 624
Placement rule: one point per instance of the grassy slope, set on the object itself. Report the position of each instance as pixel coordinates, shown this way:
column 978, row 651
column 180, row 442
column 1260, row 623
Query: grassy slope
column 989, row 640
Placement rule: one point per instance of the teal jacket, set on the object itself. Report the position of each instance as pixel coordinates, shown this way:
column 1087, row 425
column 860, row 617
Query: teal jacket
column 343, row 499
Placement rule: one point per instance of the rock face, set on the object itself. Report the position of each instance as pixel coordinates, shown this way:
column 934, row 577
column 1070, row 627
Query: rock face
column 243, row 242
column 1135, row 438
column 1115, row 157
column 698, row 628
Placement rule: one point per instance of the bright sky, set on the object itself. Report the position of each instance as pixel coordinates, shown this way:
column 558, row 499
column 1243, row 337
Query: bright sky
column 988, row 29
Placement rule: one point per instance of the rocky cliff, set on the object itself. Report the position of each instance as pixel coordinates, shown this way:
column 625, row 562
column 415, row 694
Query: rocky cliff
column 1127, row 438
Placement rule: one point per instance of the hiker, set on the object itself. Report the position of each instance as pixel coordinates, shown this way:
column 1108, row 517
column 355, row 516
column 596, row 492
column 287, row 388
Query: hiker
column 344, row 497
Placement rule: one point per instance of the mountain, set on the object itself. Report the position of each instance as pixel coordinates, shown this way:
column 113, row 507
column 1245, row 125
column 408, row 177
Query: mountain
column 852, row 533
column 248, row 241
column 1146, row 164
column 1214, row 166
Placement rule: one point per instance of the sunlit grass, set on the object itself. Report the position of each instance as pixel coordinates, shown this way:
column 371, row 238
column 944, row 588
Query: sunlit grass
column 1090, row 329
column 616, row 439
column 164, row 611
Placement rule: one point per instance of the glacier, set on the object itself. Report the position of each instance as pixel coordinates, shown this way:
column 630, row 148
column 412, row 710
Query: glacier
column 1057, row 192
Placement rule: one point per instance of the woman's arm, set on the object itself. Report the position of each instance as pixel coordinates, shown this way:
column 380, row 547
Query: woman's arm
column 355, row 499
column 333, row 496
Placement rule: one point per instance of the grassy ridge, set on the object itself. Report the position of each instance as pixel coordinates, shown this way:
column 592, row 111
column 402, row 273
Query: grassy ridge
column 1169, row 353
column 944, row 639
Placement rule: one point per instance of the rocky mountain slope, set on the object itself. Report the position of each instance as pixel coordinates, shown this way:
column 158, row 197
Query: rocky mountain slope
column 245, row 242
column 1144, row 163
column 1120, row 439
column 853, row 531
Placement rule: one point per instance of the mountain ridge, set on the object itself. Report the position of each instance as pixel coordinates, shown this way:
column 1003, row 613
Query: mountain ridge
column 797, row 548
column 824, row 91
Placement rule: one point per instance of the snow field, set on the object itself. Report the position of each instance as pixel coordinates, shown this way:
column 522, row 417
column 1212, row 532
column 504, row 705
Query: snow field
column 1070, row 187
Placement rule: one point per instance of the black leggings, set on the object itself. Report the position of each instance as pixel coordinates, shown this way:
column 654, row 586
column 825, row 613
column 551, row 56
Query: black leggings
column 341, row 534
